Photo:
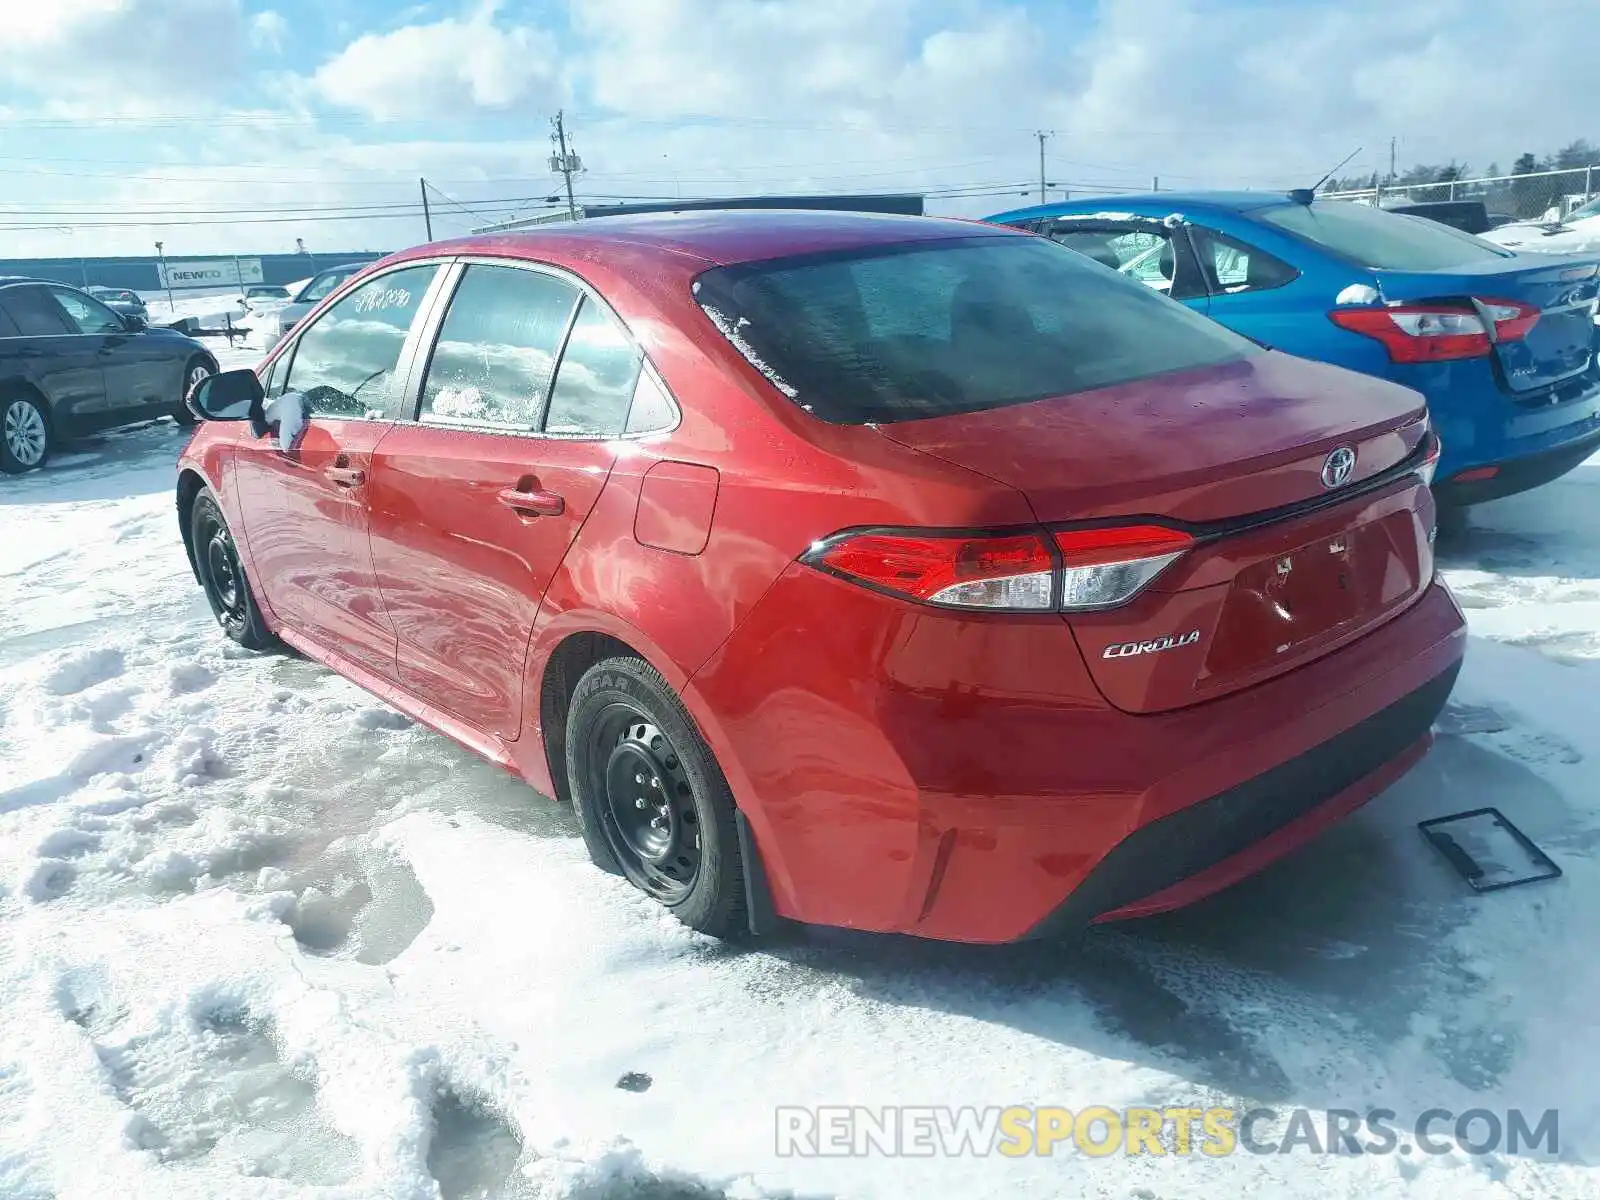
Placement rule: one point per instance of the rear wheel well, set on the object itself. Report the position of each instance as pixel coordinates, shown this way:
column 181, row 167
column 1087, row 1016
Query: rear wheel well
column 190, row 485
column 571, row 659
column 17, row 389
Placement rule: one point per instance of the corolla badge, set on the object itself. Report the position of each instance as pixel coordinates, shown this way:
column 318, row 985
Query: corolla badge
column 1336, row 468
column 1170, row 642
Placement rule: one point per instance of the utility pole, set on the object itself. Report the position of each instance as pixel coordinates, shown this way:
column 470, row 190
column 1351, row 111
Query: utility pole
column 1391, row 160
column 564, row 162
column 161, row 257
column 427, row 216
column 1042, row 135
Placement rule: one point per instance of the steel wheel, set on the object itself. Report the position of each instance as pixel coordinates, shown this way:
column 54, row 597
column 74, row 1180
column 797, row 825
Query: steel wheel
column 196, row 373
column 650, row 798
column 647, row 802
column 26, row 435
column 220, row 573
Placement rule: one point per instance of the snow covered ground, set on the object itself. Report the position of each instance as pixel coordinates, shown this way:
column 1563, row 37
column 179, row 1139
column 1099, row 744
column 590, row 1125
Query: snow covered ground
column 212, row 306
column 261, row 936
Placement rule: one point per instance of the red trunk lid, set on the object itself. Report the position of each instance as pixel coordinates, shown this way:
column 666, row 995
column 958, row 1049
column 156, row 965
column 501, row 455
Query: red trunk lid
column 1236, row 453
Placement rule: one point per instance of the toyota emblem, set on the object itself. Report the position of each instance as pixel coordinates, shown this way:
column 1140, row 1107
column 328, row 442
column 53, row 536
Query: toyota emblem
column 1337, row 467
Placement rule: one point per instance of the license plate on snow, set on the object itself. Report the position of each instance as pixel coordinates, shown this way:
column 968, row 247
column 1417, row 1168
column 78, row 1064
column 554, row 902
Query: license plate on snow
column 1488, row 850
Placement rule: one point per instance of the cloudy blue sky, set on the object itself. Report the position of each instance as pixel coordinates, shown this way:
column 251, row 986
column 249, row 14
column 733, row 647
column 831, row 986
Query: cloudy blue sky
column 129, row 120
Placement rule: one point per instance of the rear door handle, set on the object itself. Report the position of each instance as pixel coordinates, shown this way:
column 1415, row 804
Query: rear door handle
column 349, row 477
column 533, row 502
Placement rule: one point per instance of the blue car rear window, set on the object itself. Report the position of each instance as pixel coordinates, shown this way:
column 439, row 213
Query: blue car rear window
column 927, row 329
column 1373, row 237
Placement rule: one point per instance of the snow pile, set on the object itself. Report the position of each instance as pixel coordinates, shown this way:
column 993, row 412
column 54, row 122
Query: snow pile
column 262, row 937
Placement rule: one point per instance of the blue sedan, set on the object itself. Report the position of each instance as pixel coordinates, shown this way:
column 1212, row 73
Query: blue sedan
column 1503, row 345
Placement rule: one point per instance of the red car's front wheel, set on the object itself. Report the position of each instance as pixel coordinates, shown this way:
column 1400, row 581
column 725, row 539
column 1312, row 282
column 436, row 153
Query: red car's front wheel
column 222, row 575
column 649, row 795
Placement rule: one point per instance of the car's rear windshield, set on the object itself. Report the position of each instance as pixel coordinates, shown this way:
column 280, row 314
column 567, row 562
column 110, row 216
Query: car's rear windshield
column 1387, row 241
column 926, row 329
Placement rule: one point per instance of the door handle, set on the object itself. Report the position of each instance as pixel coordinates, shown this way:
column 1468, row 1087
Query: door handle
column 349, row 477
column 534, row 502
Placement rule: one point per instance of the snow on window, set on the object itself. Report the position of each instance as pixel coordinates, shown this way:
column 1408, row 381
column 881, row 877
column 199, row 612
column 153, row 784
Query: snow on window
column 731, row 330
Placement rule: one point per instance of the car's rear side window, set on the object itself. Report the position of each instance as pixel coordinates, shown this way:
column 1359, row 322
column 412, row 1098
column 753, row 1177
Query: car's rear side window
column 925, row 329
column 1386, row 241
column 33, row 312
column 594, row 386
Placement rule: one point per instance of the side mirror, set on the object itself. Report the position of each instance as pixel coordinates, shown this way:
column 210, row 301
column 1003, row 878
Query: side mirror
column 134, row 323
column 228, row 396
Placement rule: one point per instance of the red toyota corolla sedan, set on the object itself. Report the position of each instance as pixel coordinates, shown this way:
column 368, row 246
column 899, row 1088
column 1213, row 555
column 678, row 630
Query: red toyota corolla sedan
column 882, row 572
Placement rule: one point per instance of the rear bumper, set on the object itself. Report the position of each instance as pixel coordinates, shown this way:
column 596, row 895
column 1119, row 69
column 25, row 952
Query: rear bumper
column 963, row 780
column 1204, row 848
column 1518, row 474
column 1532, row 437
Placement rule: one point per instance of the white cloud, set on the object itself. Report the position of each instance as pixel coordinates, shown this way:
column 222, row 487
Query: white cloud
column 703, row 97
column 736, row 58
column 130, row 52
column 421, row 70
column 268, row 29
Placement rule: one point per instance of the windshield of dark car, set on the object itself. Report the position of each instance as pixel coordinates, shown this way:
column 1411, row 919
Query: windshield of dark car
column 321, row 285
column 925, row 329
column 1383, row 240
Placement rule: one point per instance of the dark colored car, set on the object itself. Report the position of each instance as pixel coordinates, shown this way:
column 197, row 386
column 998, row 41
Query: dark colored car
column 872, row 571
column 69, row 365
column 120, row 300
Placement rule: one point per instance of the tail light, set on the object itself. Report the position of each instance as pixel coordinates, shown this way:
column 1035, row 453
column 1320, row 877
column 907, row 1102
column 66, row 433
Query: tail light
column 1442, row 330
column 1102, row 568
column 1429, row 465
column 1074, row 570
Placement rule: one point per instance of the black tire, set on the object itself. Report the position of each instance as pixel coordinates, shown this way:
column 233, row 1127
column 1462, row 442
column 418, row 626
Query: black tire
column 26, row 435
column 222, row 575
column 1452, row 521
column 194, row 370
column 650, row 796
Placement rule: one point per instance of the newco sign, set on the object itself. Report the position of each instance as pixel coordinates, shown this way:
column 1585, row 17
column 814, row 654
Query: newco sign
column 210, row 273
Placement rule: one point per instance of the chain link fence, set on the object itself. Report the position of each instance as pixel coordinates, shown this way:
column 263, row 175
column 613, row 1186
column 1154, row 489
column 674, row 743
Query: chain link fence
column 1537, row 195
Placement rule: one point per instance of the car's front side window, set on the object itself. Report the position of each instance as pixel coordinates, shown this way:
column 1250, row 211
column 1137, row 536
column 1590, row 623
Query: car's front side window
column 496, row 351
column 88, row 315
column 345, row 363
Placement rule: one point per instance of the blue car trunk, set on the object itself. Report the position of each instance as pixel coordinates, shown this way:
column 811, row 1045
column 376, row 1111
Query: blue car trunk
column 1561, row 343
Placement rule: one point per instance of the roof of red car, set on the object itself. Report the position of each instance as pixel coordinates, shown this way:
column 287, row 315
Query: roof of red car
column 721, row 236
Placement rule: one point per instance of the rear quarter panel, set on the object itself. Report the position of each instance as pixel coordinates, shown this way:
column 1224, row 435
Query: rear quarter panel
column 1294, row 318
